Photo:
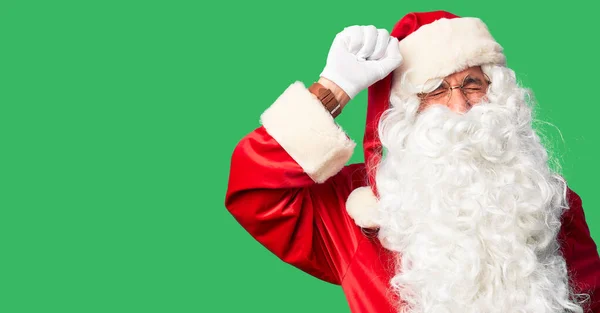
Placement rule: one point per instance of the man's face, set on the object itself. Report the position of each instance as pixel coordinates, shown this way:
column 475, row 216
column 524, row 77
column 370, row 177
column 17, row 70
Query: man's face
column 459, row 91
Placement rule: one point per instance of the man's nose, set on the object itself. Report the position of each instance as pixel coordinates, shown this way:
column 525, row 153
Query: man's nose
column 458, row 101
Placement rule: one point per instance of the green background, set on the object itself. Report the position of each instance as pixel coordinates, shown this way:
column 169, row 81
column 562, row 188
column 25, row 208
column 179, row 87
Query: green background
column 118, row 118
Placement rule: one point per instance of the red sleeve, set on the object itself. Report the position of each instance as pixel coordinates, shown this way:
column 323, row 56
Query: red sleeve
column 581, row 253
column 302, row 222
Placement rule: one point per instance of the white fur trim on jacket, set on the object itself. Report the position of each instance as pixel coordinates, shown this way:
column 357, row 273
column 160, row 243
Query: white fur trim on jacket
column 308, row 133
column 361, row 206
column 444, row 47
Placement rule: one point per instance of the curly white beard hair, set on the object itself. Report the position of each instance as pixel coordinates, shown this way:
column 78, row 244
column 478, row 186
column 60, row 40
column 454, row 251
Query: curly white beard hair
column 469, row 204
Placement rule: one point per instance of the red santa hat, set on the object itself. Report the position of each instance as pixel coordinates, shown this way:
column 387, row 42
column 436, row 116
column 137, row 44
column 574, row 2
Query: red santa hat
column 433, row 45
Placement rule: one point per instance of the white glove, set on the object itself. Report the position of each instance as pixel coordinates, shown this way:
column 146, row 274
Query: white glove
column 361, row 56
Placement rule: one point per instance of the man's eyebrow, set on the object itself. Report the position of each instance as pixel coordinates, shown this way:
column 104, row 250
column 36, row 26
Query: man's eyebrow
column 471, row 79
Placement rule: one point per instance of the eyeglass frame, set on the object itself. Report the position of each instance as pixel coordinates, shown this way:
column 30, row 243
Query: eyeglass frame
column 423, row 95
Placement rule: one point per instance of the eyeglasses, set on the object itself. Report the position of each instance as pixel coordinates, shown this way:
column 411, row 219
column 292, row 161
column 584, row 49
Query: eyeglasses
column 472, row 87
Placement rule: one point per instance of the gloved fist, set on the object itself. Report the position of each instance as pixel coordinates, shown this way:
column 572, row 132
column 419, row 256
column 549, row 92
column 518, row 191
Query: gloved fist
column 360, row 56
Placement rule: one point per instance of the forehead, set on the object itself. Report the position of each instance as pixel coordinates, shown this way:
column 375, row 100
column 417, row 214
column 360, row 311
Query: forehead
column 471, row 71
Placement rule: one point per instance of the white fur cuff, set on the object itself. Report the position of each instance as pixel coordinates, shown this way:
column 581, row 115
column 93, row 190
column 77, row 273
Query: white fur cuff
column 308, row 132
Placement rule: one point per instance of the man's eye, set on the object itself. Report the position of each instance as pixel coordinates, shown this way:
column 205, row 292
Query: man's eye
column 472, row 89
column 437, row 93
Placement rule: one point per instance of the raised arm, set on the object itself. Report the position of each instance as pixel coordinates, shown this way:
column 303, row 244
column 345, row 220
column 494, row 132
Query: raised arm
column 289, row 180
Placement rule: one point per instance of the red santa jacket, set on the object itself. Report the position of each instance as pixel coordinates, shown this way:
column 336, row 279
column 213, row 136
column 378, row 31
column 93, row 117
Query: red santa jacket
column 288, row 187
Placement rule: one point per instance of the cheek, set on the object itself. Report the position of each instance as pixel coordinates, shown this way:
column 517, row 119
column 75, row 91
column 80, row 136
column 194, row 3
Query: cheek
column 484, row 98
column 478, row 100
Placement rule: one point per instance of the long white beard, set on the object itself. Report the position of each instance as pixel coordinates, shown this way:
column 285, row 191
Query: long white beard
column 471, row 208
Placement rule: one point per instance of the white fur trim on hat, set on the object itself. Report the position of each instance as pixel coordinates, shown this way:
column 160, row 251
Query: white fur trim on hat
column 361, row 206
column 443, row 47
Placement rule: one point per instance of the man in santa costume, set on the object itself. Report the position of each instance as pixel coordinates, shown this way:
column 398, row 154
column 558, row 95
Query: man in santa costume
column 461, row 214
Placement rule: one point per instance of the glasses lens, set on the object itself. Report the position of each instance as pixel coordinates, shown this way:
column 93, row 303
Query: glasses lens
column 439, row 93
